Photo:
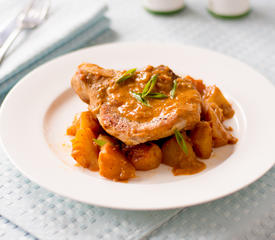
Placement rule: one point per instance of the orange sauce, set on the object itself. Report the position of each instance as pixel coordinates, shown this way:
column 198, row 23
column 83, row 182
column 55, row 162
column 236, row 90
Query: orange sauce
column 129, row 107
column 113, row 163
column 194, row 168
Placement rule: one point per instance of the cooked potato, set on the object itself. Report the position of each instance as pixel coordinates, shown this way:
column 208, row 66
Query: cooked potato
column 201, row 137
column 145, row 156
column 220, row 135
column 107, row 139
column 214, row 95
column 199, row 85
column 85, row 120
column 174, row 156
column 218, row 111
column 84, row 150
column 182, row 163
column 74, row 127
column 113, row 164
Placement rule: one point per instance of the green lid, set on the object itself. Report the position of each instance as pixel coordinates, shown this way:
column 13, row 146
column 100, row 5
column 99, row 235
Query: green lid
column 164, row 13
column 229, row 16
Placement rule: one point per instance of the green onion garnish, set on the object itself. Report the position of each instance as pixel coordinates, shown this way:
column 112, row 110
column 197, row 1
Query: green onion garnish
column 181, row 141
column 173, row 91
column 99, row 142
column 138, row 96
column 157, row 95
column 130, row 73
column 149, row 85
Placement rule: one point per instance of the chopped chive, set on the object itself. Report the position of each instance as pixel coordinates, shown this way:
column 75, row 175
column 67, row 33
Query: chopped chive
column 173, row 91
column 138, row 96
column 157, row 95
column 130, row 73
column 99, row 142
column 181, row 141
column 149, row 85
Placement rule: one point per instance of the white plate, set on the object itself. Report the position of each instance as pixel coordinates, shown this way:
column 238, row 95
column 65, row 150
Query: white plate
column 36, row 113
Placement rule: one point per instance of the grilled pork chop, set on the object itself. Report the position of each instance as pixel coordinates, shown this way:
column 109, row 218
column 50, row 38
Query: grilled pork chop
column 126, row 118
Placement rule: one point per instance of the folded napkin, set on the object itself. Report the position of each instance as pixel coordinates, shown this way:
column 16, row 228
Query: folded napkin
column 70, row 24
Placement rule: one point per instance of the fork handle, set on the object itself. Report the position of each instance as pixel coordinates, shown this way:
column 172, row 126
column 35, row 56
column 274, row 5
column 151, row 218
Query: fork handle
column 5, row 47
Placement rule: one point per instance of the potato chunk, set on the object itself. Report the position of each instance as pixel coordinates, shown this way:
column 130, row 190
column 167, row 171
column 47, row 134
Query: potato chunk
column 85, row 151
column 220, row 135
column 107, row 139
column 214, row 95
column 199, row 85
column 85, row 120
column 74, row 127
column 145, row 156
column 113, row 164
column 182, row 163
column 201, row 137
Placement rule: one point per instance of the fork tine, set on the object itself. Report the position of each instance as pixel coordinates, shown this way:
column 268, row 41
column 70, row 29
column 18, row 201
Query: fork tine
column 45, row 9
column 29, row 18
column 29, row 6
column 39, row 10
column 27, row 9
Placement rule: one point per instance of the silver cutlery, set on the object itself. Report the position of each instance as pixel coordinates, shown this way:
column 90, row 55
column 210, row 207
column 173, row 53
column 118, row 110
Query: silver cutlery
column 7, row 30
column 30, row 18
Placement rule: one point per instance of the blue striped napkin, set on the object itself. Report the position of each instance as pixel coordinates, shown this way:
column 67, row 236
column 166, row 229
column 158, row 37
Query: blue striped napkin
column 70, row 24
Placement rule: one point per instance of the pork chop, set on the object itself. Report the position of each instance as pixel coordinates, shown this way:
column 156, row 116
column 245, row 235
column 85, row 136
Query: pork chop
column 123, row 116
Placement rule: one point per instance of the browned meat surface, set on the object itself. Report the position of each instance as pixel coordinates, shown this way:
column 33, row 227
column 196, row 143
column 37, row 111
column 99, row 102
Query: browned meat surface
column 123, row 116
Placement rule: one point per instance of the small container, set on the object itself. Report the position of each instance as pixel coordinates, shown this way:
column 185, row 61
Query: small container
column 163, row 6
column 229, row 8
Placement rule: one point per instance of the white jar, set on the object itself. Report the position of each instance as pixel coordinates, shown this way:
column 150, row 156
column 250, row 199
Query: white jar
column 229, row 8
column 163, row 6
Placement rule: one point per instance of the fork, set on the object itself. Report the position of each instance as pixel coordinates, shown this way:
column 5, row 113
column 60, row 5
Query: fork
column 34, row 15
